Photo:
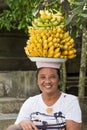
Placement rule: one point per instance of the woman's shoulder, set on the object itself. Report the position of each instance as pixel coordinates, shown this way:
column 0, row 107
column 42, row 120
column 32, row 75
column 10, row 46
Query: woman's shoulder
column 68, row 96
column 33, row 98
column 68, row 99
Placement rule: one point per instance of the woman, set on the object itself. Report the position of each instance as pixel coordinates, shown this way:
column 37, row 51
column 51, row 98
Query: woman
column 52, row 109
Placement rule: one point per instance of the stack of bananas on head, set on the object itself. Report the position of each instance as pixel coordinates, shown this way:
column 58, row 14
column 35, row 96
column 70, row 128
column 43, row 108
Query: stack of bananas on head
column 48, row 37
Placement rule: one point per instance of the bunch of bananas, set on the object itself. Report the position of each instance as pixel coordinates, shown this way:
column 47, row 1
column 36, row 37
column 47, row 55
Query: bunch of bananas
column 48, row 20
column 48, row 37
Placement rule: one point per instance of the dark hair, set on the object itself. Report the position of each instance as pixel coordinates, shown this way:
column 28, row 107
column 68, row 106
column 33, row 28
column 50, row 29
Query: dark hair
column 58, row 72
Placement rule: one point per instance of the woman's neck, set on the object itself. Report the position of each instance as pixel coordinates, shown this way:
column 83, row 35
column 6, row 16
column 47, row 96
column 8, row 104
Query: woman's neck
column 50, row 99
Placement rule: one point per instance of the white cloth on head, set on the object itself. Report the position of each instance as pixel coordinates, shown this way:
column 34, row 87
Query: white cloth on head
column 55, row 65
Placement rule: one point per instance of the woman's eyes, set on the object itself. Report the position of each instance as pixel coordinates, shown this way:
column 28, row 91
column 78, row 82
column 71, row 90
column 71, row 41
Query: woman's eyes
column 42, row 77
column 51, row 77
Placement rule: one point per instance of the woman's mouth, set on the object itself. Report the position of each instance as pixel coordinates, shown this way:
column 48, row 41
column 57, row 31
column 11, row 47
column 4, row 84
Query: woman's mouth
column 47, row 86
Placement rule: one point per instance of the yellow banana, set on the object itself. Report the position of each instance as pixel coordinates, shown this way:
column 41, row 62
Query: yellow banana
column 45, row 53
column 72, row 56
column 45, row 46
column 54, row 40
column 71, row 41
column 67, row 39
column 57, row 50
column 70, row 47
column 65, row 53
column 50, row 44
column 71, row 52
column 50, row 39
column 57, row 55
column 66, row 35
column 50, row 53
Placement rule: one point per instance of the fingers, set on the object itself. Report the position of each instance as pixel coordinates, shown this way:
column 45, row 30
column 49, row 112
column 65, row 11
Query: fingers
column 27, row 125
column 14, row 127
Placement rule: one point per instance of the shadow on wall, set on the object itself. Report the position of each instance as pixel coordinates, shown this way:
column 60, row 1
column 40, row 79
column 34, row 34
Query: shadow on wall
column 74, row 90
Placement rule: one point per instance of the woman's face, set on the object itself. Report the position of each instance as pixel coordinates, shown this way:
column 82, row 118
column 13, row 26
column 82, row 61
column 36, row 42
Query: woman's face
column 48, row 80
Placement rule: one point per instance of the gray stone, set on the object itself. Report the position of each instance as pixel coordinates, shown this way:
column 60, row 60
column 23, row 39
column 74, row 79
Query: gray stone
column 10, row 105
column 6, row 120
column 19, row 83
column 1, row 90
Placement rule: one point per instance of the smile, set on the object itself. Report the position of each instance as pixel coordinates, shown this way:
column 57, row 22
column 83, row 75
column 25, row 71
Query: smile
column 47, row 86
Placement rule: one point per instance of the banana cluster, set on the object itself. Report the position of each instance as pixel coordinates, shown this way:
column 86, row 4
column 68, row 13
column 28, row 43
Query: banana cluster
column 48, row 20
column 48, row 38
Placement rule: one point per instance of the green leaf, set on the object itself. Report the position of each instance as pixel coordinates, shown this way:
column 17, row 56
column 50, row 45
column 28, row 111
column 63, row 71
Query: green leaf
column 77, row 10
column 69, row 20
column 83, row 15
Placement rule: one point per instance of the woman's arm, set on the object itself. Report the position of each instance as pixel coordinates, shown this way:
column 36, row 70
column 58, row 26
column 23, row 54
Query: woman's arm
column 72, row 125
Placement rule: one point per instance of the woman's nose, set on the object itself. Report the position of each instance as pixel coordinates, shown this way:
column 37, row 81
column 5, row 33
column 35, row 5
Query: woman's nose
column 47, row 80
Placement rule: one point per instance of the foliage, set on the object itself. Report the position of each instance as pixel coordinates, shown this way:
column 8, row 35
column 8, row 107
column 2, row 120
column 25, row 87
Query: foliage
column 19, row 15
column 21, row 12
column 77, row 16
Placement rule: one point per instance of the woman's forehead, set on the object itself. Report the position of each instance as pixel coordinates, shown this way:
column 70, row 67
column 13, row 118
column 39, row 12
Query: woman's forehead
column 47, row 70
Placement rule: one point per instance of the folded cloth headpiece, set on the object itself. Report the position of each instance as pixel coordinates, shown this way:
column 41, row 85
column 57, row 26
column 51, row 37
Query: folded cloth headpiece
column 55, row 65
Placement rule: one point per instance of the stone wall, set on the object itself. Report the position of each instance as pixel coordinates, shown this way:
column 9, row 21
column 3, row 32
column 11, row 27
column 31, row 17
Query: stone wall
column 18, row 83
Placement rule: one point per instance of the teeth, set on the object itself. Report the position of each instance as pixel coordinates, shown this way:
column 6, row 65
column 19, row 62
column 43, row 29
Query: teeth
column 48, row 86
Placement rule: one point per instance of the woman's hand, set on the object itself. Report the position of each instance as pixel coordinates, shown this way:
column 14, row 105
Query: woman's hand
column 27, row 125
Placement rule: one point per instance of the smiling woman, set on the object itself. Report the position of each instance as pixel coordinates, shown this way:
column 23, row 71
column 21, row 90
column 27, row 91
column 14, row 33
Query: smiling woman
column 50, row 110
